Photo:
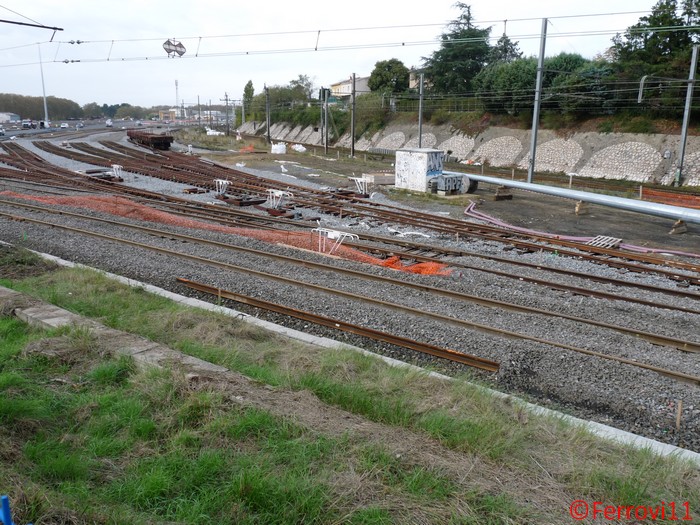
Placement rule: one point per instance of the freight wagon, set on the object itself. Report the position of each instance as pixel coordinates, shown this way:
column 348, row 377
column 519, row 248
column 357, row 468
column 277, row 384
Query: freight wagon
column 150, row 140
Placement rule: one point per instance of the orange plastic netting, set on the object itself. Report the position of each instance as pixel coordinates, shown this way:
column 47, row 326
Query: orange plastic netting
column 312, row 241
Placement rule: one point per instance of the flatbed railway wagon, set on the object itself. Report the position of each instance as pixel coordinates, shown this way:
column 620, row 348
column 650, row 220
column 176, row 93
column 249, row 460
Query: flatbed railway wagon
column 150, row 140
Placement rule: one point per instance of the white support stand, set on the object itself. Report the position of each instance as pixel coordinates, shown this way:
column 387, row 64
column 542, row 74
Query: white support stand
column 325, row 235
column 221, row 185
column 362, row 184
column 275, row 197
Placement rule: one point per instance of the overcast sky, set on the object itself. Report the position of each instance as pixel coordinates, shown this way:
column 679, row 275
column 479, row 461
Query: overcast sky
column 268, row 42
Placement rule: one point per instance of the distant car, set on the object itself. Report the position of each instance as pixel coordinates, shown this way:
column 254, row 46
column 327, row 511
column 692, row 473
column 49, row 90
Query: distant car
column 64, row 125
column 2, row 130
column 109, row 123
column 80, row 125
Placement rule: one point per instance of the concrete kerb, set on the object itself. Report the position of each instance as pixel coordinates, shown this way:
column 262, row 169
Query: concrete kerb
column 598, row 429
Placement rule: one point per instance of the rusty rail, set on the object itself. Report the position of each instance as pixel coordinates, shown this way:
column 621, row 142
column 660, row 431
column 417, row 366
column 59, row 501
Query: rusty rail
column 337, row 324
column 680, row 376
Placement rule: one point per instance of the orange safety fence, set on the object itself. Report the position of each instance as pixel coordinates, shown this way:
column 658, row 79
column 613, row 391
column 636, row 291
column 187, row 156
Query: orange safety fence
column 685, row 200
column 124, row 207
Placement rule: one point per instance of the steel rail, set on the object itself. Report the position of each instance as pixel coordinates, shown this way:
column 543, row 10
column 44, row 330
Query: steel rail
column 680, row 376
column 283, row 310
column 428, row 221
column 350, row 206
column 535, row 266
column 680, row 344
column 402, row 215
column 576, row 290
column 192, row 209
column 437, row 223
column 103, row 185
column 337, row 324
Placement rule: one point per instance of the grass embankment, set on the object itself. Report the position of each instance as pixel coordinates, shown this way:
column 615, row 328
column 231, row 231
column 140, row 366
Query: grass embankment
column 88, row 437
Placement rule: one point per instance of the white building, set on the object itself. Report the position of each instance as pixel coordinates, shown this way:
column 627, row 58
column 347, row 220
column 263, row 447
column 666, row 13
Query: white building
column 342, row 90
column 9, row 117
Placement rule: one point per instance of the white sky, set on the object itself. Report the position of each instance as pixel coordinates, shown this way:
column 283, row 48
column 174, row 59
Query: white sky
column 123, row 59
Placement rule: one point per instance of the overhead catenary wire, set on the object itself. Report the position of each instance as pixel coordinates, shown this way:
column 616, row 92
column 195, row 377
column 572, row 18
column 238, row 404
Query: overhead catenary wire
column 570, row 91
column 355, row 46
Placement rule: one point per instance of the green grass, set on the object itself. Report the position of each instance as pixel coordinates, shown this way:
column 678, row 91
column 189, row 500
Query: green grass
column 421, row 482
column 110, row 436
column 91, row 436
column 14, row 335
column 19, row 258
column 170, row 469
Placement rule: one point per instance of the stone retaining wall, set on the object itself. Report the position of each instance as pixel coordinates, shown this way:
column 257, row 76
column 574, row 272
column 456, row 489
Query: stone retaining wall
column 634, row 157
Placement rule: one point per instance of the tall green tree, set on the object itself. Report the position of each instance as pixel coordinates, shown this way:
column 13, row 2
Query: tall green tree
column 33, row 107
column 464, row 51
column 691, row 12
column 248, row 95
column 389, row 75
column 304, row 85
column 589, row 90
column 507, row 87
column 658, row 37
column 92, row 110
column 658, row 47
column 561, row 65
column 505, row 50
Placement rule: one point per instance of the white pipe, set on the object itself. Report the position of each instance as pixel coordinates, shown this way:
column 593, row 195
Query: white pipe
column 649, row 208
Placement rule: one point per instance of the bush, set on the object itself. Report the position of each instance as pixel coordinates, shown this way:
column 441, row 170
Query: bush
column 638, row 125
column 555, row 120
column 606, row 126
column 440, row 116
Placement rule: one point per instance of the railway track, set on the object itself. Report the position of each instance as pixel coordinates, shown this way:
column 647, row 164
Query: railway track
column 37, row 170
column 609, row 371
column 192, row 171
column 219, row 293
column 687, row 346
column 338, row 324
column 657, row 339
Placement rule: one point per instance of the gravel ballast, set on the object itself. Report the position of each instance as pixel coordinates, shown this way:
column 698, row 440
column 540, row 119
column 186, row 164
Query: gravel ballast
column 623, row 396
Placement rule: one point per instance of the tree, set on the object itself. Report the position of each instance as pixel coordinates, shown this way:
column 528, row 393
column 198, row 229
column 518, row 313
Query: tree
column 658, row 47
column 658, row 37
column 691, row 12
column 33, row 107
column 304, row 85
column 562, row 64
column 248, row 95
column 389, row 75
column 587, row 91
column 129, row 111
column 281, row 98
column 111, row 110
column 92, row 110
column 507, row 87
column 463, row 52
column 505, row 50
